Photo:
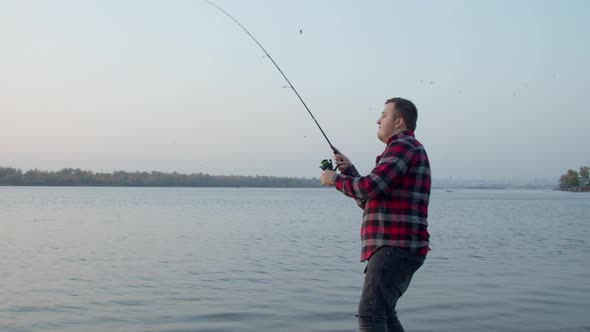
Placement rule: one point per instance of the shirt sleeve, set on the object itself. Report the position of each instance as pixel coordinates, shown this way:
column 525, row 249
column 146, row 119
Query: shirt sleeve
column 386, row 176
column 351, row 171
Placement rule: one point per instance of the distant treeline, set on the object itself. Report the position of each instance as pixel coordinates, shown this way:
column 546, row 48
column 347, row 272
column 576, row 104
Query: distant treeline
column 77, row 177
column 576, row 181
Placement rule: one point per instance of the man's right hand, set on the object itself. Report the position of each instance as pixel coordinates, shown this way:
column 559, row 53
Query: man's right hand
column 342, row 162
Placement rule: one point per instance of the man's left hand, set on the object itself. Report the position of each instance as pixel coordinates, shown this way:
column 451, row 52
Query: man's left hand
column 326, row 178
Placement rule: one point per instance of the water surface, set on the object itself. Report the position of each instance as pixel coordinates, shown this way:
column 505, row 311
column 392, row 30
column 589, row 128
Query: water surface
column 228, row 259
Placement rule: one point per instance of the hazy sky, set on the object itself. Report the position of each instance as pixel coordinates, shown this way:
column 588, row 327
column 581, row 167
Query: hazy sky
column 501, row 86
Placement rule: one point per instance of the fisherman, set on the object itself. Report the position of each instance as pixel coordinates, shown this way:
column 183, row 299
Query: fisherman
column 394, row 197
column 395, row 202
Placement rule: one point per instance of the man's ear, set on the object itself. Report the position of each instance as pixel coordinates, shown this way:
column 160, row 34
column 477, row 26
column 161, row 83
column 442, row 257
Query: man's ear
column 400, row 122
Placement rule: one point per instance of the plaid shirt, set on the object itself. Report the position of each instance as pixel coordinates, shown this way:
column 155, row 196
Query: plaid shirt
column 394, row 197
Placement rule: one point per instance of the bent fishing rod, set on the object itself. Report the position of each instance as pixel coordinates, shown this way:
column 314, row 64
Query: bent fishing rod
column 325, row 163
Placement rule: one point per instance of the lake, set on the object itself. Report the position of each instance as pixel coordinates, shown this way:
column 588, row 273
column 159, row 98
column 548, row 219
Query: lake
column 229, row 259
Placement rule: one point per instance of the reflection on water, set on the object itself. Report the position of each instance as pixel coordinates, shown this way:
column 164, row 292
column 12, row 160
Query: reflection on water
column 201, row 259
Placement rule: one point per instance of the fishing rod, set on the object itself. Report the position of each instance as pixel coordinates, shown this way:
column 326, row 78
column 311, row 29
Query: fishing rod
column 325, row 164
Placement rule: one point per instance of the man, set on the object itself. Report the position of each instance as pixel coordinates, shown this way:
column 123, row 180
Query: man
column 394, row 197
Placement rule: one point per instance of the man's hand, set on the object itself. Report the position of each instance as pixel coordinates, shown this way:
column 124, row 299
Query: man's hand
column 326, row 178
column 342, row 162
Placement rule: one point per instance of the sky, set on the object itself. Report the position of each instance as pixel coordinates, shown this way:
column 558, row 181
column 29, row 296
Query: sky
column 501, row 86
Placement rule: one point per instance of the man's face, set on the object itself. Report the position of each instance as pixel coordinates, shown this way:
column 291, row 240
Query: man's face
column 389, row 123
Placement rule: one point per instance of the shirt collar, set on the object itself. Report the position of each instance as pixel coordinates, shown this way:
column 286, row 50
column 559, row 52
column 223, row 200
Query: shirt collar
column 393, row 138
column 400, row 135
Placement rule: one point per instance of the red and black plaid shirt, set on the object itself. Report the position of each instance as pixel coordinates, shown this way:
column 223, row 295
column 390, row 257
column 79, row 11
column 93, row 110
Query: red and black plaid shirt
column 394, row 197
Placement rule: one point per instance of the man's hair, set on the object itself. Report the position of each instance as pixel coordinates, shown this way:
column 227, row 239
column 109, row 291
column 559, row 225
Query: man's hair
column 406, row 109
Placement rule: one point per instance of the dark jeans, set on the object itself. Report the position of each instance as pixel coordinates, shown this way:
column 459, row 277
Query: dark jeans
column 387, row 276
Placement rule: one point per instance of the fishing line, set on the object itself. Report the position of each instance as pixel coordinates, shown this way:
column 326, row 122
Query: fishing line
column 280, row 71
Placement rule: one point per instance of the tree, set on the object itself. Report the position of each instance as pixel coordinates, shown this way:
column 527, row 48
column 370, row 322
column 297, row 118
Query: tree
column 585, row 177
column 570, row 180
column 77, row 177
column 10, row 176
